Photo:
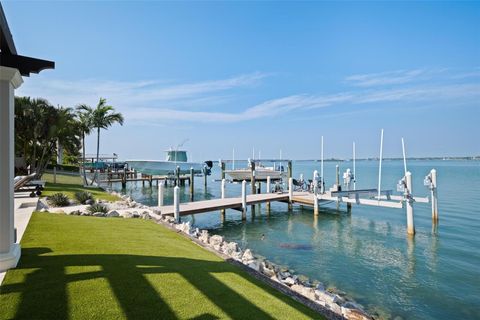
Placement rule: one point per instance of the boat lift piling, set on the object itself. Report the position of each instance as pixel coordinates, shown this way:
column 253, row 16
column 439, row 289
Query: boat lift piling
column 244, row 200
column 409, row 202
column 268, row 192
column 290, row 184
column 253, row 184
column 161, row 194
column 222, row 211
column 176, row 203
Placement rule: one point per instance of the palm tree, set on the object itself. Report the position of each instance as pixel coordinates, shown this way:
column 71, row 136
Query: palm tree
column 102, row 117
column 85, row 125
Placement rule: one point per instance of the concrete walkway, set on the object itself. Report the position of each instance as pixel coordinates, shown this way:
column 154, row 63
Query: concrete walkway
column 24, row 206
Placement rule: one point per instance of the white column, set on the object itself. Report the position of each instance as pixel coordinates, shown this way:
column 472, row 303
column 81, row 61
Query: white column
column 10, row 79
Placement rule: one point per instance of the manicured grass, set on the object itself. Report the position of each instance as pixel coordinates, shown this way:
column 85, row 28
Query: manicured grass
column 110, row 268
column 69, row 185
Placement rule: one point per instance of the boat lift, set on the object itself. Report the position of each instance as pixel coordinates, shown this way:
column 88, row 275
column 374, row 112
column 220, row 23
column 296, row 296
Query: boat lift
column 375, row 196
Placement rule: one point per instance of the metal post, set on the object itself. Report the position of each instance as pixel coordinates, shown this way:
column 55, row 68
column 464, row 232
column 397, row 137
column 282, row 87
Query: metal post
column 409, row 202
column 290, row 193
column 434, row 196
column 192, row 184
column 244, row 200
column 222, row 211
column 176, row 203
column 161, row 193
column 223, row 170
column 268, row 192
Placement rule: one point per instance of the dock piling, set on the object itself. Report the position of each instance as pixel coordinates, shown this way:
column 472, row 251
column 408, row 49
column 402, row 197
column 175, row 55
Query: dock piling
column 177, row 174
column 433, row 188
column 192, row 184
column 253, row 184
column 161, row 194
column 244, row 200
column 268, row 192
column 409, row 202
column 176, row 203
column 290, row 193
column 315, row 191
column 222, row 211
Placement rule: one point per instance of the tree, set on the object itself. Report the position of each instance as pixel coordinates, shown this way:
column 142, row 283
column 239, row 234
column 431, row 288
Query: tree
column 103, row 117
column 38, row 127
column 85, row 124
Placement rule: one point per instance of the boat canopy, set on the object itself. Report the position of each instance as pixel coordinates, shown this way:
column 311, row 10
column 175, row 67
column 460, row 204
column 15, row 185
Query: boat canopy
column 176, row 155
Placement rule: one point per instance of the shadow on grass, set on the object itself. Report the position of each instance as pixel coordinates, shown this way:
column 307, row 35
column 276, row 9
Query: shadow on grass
column 44, row 291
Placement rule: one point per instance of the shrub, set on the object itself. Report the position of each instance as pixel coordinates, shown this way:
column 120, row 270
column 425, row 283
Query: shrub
column 97, row 207
column 83, row 196
column 58, row 200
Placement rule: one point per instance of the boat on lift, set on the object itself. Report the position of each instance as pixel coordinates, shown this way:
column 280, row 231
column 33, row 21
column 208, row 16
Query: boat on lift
column 174, row 158
column 275, row 172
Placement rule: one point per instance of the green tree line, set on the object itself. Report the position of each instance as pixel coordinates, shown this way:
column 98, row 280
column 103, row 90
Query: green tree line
column 42, row 131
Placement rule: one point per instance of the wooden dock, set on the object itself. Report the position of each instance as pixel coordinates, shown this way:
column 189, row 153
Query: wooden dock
column 219, row 204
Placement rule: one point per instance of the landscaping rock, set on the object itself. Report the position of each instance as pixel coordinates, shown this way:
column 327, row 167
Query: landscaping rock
column 204, row 237
column 216, row 240
column 113, row 213
column 289, row 281
column 255, row 265
column 247, row 255
column 98, row 214
column 90, row 201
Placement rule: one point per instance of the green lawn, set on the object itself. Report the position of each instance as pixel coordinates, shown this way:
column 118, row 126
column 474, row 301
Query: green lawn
column 69, row 185
column 110, row 268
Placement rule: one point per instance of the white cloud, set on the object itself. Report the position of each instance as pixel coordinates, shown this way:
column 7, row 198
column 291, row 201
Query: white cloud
column 156, row 102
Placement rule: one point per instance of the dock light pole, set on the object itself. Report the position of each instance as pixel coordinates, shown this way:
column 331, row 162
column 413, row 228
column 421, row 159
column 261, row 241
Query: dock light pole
column 222, row 211
column 161, row 193
column 409, row 203
column 176, row 203
column 244, row 200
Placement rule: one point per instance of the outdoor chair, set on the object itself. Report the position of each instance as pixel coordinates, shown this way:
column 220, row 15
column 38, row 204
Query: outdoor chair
column 26, row 183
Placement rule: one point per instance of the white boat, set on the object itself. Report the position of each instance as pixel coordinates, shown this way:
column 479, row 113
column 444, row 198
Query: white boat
column 174, row 159
column 261, row 173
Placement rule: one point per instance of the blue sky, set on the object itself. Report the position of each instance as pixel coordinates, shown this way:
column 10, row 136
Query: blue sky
column 263, row 75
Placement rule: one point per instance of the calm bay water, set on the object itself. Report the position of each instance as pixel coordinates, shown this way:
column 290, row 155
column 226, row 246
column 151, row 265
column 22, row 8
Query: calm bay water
column 367, row 254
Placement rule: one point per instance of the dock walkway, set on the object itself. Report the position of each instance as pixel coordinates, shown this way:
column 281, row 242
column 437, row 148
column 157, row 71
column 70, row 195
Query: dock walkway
column 219, row 204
